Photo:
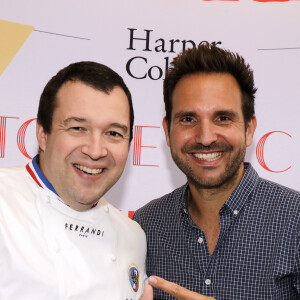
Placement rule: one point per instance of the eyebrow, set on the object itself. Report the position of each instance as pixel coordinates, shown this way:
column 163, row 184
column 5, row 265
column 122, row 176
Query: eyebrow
column 121, row 126
column 82, row 120
column 183, row 114
column 74, row 119
column 229, row 112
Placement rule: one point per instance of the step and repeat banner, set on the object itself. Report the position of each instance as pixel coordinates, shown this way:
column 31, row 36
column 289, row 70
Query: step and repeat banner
column 138, row 39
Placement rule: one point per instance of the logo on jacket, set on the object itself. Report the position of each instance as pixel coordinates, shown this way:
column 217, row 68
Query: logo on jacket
column 84, row 231
column 133, row 276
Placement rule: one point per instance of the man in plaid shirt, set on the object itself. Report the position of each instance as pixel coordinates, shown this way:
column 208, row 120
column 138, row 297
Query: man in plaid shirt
column 227, row 233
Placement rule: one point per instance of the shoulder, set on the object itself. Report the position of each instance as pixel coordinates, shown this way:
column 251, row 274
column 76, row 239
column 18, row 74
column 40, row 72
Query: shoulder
column 123, row 222
column 12, row 177
column 131, row 237
column 266, row 193
column 11, row 172
column 161, row 207
column 264, row 188
column 276, row 202
column 18, row 193
column 276, row 191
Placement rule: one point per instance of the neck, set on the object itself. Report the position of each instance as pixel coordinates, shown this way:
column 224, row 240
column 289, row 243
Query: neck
column 204, row 203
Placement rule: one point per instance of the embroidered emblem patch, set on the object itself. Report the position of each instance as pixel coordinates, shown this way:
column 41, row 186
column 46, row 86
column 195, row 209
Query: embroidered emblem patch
column 133, row 276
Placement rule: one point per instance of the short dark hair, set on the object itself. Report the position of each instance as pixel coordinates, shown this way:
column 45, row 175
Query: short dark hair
column 208, row 58
column 91, row 73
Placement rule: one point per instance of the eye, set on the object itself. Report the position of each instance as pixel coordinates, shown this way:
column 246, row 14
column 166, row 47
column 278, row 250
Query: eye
column 223, row 119
column 114, row 134
column 187, row 120
column 77, row 128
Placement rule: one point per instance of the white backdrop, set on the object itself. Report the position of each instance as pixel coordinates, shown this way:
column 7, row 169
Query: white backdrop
column 137, row 38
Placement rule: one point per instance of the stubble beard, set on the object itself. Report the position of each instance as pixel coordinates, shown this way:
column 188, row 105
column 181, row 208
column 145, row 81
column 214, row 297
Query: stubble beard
column 226, row 179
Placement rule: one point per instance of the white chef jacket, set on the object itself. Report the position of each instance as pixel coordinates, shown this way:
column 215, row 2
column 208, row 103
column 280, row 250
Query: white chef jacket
column 49, row 251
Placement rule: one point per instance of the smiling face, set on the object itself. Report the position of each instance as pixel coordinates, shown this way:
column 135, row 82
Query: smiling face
column 207, row 134
column 86, row 150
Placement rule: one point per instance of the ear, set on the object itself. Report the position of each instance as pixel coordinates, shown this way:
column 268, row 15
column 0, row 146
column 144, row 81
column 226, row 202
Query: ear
column 251, row 126
column 41, row 136
column 166, row 129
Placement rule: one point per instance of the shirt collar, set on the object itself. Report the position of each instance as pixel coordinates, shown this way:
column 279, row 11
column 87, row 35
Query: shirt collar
column 39, row 176
column 239, row 196
column 183, row 198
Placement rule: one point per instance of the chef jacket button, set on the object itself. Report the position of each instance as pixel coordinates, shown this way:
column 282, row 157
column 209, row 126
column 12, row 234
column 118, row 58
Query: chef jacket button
column 46, row 199
column 113, row 258
column 106, row 209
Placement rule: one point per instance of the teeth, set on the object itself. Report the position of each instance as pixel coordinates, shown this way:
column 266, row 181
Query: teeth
column 208, row 156
column 88, row 170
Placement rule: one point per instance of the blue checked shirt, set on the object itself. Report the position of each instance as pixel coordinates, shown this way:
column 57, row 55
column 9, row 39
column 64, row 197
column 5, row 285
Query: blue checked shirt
column 257, row 253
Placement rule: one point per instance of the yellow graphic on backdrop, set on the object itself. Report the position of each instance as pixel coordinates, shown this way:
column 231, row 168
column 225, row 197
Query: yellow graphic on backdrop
column 12, row 37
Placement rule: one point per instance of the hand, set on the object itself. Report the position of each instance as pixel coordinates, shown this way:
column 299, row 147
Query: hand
column 147, row 293
column 171, row 288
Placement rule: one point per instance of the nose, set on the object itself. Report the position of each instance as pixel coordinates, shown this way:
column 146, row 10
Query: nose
column 206, row 133
column 95, row 147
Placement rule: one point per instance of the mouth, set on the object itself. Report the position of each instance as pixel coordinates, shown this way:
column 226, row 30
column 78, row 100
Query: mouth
column 88, row 170
column 208, row 156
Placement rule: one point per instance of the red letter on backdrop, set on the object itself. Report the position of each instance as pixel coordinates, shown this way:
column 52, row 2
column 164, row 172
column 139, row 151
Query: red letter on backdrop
column 3, row 134
column 21, row 138
column 138, row 145
column 260, row 151
column 273, row 0
column 221, row 0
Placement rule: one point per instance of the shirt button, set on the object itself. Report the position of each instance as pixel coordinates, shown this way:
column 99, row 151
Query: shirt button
column 207, row 281
column 200, row 240
column 236, row 212
column 106, row 208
